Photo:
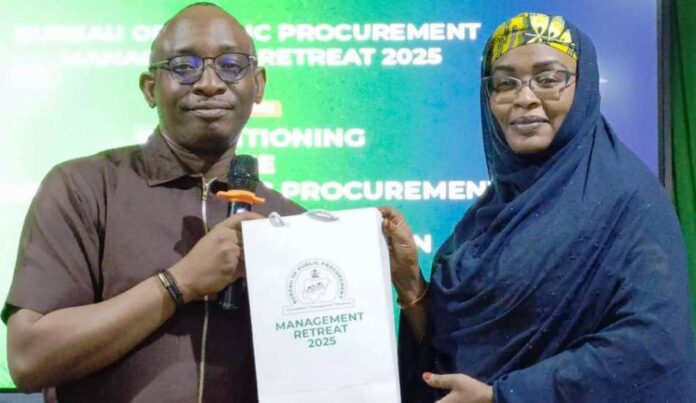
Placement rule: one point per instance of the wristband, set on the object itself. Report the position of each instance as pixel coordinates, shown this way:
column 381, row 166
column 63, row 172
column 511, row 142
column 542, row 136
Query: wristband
column 170, row 285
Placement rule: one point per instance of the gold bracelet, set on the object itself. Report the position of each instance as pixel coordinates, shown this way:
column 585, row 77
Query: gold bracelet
column 415, row 302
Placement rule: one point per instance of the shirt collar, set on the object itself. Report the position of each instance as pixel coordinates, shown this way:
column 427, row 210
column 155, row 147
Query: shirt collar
column 162, row 164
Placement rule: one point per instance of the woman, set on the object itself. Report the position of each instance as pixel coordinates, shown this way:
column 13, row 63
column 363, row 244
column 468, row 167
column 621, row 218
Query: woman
column 567, row 280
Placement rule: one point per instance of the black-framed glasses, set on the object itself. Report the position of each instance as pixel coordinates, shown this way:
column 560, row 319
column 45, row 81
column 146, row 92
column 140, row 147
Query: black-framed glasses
column 230, row 67
column 547, row 85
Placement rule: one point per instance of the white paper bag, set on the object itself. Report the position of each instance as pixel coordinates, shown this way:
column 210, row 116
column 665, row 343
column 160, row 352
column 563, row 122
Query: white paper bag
column 321, row 308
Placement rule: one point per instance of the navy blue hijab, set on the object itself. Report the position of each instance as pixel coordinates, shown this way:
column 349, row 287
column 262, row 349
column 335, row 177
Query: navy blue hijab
column 567, row 281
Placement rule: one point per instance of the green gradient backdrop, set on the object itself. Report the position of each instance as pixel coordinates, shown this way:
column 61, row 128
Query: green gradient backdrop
column 421, row 123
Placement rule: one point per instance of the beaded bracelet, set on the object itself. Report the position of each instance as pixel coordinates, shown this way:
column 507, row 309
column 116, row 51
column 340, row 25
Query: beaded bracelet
column 170, row 285
column 416, row 301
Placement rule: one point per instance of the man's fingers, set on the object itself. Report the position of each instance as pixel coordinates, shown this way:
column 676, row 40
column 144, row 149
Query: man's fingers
column 447, row 381
column 235, row 221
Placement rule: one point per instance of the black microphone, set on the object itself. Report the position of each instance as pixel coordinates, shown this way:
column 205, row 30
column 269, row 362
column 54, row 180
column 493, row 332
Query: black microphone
column 244, row 175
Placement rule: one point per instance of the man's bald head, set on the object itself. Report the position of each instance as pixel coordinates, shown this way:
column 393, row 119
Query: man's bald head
column 206, row 10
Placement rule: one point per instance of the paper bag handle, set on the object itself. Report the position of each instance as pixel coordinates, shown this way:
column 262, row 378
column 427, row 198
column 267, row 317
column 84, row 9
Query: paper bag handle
column 318, row 214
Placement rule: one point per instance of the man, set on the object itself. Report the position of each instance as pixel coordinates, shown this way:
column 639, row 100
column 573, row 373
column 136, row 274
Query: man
column 88, row 311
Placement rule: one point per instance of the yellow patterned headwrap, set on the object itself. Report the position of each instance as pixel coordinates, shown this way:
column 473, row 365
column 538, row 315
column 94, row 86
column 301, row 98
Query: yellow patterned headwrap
column 528, row 28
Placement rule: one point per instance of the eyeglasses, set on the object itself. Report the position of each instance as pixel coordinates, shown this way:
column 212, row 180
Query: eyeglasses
column 547, row 86
column 230, row 67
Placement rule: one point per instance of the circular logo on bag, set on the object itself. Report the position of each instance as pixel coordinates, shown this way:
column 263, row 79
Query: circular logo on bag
column 315, row 284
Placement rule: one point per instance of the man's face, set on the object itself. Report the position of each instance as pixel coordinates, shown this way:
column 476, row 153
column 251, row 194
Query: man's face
column 530, row 123
column 205, row 117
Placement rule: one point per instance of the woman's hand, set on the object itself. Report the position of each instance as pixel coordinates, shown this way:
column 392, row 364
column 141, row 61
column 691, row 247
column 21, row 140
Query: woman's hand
column 403, row 256
column 464, row 389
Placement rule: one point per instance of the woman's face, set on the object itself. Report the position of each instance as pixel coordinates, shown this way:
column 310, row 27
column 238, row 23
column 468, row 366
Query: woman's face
column 530, row 119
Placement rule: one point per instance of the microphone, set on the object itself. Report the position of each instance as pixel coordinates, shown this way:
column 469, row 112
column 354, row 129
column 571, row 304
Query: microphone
column 243, row 179
column 244, row 175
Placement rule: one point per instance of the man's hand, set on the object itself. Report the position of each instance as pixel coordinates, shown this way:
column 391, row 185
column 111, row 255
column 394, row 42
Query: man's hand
column 403, row 255
column 215, row 261
column 464, row 389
